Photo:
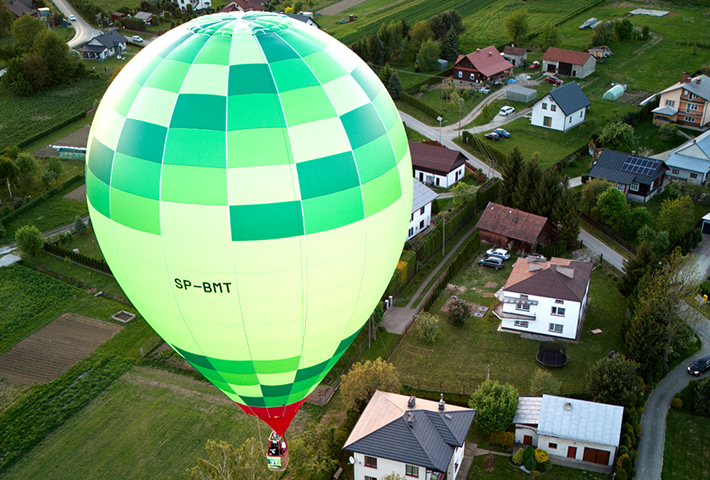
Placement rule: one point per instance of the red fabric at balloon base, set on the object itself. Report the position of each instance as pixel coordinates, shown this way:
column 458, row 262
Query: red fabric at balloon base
column 278, row 418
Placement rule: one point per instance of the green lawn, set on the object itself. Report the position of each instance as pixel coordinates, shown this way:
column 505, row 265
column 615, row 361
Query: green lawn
column 149, row 424
column 504, row 471
column 458, row 360
column 687, row 451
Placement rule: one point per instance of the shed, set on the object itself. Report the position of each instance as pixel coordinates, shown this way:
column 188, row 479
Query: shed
column 706, row 224
column 614, row 92
column 520, row 94
column 442, row 64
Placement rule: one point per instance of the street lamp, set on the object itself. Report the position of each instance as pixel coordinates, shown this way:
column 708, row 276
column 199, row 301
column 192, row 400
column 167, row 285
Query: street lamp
column 440, row 119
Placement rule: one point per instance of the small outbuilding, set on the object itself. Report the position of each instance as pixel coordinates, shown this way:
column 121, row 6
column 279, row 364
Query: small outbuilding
column 520, row 94
column 706, row 224
column 516, row 55
column 614, row 92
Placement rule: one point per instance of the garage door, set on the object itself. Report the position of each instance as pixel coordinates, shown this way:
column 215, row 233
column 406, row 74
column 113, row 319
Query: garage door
column 592, row 455
column 706, row 228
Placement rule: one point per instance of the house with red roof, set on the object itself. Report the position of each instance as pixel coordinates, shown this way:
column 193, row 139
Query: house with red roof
column 512, row 228
column 482, row 66
column 568, row 63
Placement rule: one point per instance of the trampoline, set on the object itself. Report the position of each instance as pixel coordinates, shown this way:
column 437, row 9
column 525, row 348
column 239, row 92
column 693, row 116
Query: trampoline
column 552, row 354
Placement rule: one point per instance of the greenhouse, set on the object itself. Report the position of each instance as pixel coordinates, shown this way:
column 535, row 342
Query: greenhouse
column 614, row 92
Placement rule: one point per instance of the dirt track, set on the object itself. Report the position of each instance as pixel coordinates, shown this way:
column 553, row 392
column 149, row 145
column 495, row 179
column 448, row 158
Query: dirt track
column 340, row 7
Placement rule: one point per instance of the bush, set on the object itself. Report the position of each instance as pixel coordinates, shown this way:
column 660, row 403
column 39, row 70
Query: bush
column 530, row 464
column 458, row 312
column 518, row 457
column 677, row 403
column 625, row 440
column 624, row 462
column 541, row 456
column 29, row 239
column 621, row 474
column 528, row 454
column 427, row 326
column 504, row 439
column 547, row 466
column 637, row 430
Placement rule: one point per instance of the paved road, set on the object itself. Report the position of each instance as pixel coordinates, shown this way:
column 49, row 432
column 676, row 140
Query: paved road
column 600, row 248
column 83, row 32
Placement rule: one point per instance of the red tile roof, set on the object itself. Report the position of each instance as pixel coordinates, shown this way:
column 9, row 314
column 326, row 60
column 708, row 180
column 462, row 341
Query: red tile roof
column 435, row 158
column 566, row 56
column 488, row 61
column 242, row 5
column 511, row 223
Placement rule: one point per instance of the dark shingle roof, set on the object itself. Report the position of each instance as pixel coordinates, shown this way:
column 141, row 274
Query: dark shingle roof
column 570, row 98
column 421, row 435
column 514, row 51
column 435, row 159
column 551, row 283
column 511, row 223
column 108, row 39
column 608, row 167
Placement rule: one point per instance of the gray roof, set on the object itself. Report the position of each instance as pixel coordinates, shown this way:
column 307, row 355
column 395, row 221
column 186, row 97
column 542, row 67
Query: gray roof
column 108, row 39
column 422, row 195
column 570, row 98
column 609, row 167
column 693, row 155
column 422, row 435
column 583, row 421
column 145, row 16
column 528, row 411
column 700, row 86
column 522, row 90
column 665, row 111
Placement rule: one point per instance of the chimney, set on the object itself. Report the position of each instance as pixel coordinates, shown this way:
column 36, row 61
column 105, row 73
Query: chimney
column 568, row 406
column 684, row 77
column 412, row 401
column 442, row 404
column 633, row 152
column 697, row 82
column 490, row 54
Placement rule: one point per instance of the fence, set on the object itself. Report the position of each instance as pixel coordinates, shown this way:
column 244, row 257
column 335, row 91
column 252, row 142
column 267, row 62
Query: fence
column 93, row 263
column 78, row 179
column 602, row 228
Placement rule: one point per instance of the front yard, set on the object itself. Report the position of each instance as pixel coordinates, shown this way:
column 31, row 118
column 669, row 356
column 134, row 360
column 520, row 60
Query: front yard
column 687, row 452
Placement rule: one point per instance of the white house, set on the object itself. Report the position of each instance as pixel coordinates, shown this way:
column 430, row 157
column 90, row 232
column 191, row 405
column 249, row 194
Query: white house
column 416, row 438
column 421, row 209
column 308, row 20
column 562, row 109
column 691, row 162
column 545, row 298
column 588, row 432
column 437, row 165
column 196, row 4
column 103, row 46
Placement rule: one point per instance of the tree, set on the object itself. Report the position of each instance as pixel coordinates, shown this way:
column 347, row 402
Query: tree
column 614, row 208
column 47, row 177
column 617, row 135
column 591, row 191
column 602, row 34
column 546, row 194
column 463, row 193
column 395, row 39
column 6, row 19
column 543, row 383
column 359, row 384
column 226, row 462
column 9, row 171
column 645, row 32
column 659, row 241
column 420, row 33
column 310, row 453
column 511, row 176
column 623, row 29
column 376, row 49
column 450, row 46
column 27, row 166
column 615, row 381
column 550, row 36
column 3, row 232
column 61, row 65
column 427, row 326
column 428, row 55
column 495, row 405
column 529, row 178
column 458, row 312
column 55, row 166
column 394, row 85
column 79, row 225
column 25, row 29
column 567, row 217
column 516, row 24
column 438, row 27
column 29, row 239
column 385, row 73
column 676, row 217
column 635, row 268
column 668, row 131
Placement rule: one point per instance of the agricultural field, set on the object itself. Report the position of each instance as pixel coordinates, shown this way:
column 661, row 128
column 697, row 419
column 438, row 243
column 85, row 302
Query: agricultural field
column 150, row 423
column 51, row 350
column 457, row 362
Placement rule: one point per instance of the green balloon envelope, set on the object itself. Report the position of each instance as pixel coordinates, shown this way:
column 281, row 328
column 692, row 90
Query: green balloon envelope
column 250, row 185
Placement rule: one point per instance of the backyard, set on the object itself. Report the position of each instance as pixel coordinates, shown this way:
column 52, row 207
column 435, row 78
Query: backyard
column 505, row 471
column 687, row 452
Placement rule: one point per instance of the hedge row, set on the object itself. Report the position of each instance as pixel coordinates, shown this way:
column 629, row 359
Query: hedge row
column 51, row 129
column 452, row 398
column 694, row 44
column 430, row 81
column 44, row 408
column 404, row 272
column 556, row 250
column 79, row 258
column 45, row 196
column 487, row 193
column 418, row 104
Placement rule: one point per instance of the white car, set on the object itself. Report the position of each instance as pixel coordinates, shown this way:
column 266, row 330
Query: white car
column 484, row 90
column 505, row 111
column 137, row 39
column 72, row 18
column 498, row 252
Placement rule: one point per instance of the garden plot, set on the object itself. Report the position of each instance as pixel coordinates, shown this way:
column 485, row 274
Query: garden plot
column 50, row 351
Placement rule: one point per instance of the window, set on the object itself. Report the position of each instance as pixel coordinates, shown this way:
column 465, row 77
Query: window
column 670, row 103
column 634, row 187
column 690, row 119
column 693, row 175
column 570, row 119
column 651, row 187
column 460, row 74
column 521, row 323
column 370, row 478
column 411, row 232
column 558, row 311
column 544, row 106
column 554, row 327
column 421, row 224
column 523, row 307
column 472, row 77
column 421, row 211
column 692, row 96
column 581, row 114
column 411, row 470
column 562, row 302
column 437, row 182
column 553, row 108
column 547, row 121
column 674, row 171
column 372, row 461
column 692, row 107
column 411, row 218
column 552, row 446
column 621, row 187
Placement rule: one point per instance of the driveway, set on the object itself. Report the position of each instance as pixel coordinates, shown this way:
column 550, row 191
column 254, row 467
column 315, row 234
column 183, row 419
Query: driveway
column 600, row 248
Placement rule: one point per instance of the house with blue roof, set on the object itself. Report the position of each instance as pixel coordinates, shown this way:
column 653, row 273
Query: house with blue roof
column 562, row 109
column 639, row 178
column 416, row 438
column 691, row 162
column 581, row 431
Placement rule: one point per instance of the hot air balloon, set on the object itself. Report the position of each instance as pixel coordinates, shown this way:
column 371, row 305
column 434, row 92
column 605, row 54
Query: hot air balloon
column 250, row 185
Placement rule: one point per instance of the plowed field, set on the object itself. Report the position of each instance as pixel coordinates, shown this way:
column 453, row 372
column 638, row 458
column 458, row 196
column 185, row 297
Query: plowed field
column 51, row 350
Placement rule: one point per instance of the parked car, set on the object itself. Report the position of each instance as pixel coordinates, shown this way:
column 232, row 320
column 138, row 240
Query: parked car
column 699, row 366
column 492, row 262
column 72, row 18
column 554, row 80
column 484, row 90
column 492, row 136
column 505, row 111
column 501, row 133
column 498, row 252
column 534, row 65
column 137, row 39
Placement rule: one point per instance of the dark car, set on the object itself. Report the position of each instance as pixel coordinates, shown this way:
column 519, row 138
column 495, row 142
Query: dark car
column 699, row 366
column 493, row 262
column 554, row 80
column 501, row 133
column 492, row 136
